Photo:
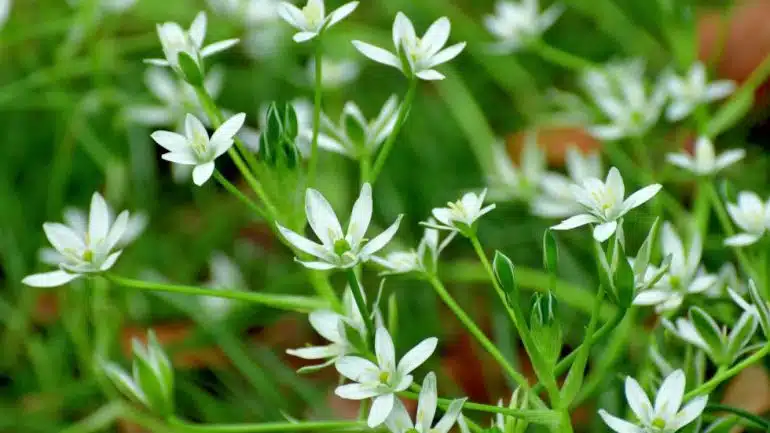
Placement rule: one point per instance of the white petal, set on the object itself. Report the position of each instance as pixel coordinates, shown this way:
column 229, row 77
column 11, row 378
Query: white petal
column 303, row 244
column 384, row 349
column 184, row 157
column 450, row 416
column 640, row 197
column 360, row 217
column 651, row 297
column 619, row 425
column 678, row 110
column 157, row 62
column 327, row 324
column 170, row 141
column 689, row 412
column 681, row 160
column 575, row 221
column 217, row 47
column 49, row 279
column 63, row 238
column 320, row 266
column 201, row 173
column 719, row 90
column 436, row 36
column 379, row 241
column 304, row 36
column 446, row 55
column 638, row 401
column 670, row 395
column 98, row 218
column 229, row 128
column 292, row 15
column 381, row 407
column 399, row 420
column 742, row 239
column 426, row 403
column 356, row 369
column 322, row 218
column 117, row 231
column 355, row 391
column 602, row 232
column 430, row 75
column 607, row 132
column 110, row 262
column 316, row 352
column 702, row 283
column 198, row 29
column 418, row 355
column 729, row 157
column 341, row 12
column 378, row 54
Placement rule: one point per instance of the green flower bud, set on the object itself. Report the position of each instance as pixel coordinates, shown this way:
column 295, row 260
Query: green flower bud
column 544, row 326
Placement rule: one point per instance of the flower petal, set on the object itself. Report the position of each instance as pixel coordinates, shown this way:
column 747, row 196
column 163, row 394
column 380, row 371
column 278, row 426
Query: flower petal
column 202, row 172
column 670, row 395
column 98, row 219
column 450, row 416
column 110, row 261
column 316, row 352
column 418, row 355
column 640, row 197
column 184, row 157
column 382, row 406
column 63, row 238
column 304, row 36
column 322, row 218
column 303, row 244
column 378, row 54
column 360, row 217
column 229, row 128
column 575, row 221
column 170, row 141
column 742, row 239
column 356, row 368
column 602, row 232
column 217, row 47
column 690, row 412
column 385, row 350
column 49, row 279
column 292, row 15
column 446, row 55
column 638, row 401
column 436, row 36
column 379, row 241
column 197, row 30
column 355, row 391
column 430, row 75
column 327, row 324
column 426, row 403
column 341, row 12
column 619, row 425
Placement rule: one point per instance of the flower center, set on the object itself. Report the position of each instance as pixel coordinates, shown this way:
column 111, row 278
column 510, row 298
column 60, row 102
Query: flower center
column 199, row 144
column 659, row 423
column 313, row 14
column 384, row 377
column 341, row 246
column 88, row 255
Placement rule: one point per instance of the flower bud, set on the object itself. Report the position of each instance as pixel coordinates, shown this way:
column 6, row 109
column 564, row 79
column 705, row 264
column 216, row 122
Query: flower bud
column 190, row 69
column 550, row 252
column 544, row 326
column 277, row 141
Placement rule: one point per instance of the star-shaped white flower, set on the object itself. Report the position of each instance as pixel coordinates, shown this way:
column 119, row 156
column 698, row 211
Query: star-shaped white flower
column 382, row 380
column 604, row 204
column 684, row 276
column 555, row 199
column 224, row 275
column 175, row 40
column 621, row 93
column 461, row 215
column 687, row 93
column 415, row 56
column 515, row 24
column 508, row 181
column 725, row 347
column 337, row 249
column 705, row 162
column 196, row 148
column 423, row 260
column 665, row 416
column 83, row 252
column 751, row 215
column 399, row 420
column 312, row 20
column 355, row 136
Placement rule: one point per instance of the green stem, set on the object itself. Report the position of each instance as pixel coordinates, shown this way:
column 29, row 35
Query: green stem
column 313, row 165
column 301, row 304
column 542, row 370
column 642, row 156
column 471, row 326
column 561, row 58
column 382, row 156
column 270, row 427
column 527, row 414
column 355, row 287
column 753, row 418
column 232, row 189
column 97, row 421
column 726, row 374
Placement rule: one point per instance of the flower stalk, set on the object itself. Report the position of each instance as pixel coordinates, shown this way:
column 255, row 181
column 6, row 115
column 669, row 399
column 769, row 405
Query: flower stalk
column 406, row 106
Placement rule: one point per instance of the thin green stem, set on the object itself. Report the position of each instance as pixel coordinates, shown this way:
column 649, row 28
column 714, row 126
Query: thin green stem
column 97, row 421
column 301, row 304
column 728, row 373
column 542, row 370
column 533, row 415
column 313, row 165
column 642, row 156
column 270, row 427
column 471, row 326
column 561, row 58
column 358, row 296
column 752, row 418
column 232, row 189
column 382, row 156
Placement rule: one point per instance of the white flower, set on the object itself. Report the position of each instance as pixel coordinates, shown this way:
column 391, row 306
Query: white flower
column 684, row 276
column 385, row 378
column 175, row 40
column 248, row 12
column 83, row 252
column 338, row 250
column 621, row 93
column 420, row 54
column 604, row 204
column 705, row 162
column 312, row 20
column 196, row 148
column 5, row 11
column 515, row 24
column 224, row 275
column 687, row 93
column 665, row 416
column 334, row 73
column 462, row 214
column 423, row 260
column 509, row 181
column 399, row 420
column 355, row 136
column 555, row 199
column 334, row 327
column 751, row 215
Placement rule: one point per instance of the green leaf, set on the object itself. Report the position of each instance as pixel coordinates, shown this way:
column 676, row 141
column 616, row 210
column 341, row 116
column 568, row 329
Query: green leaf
column 731, row 112
column 605, row 272
column 763, row 309
column 709, row 331
column 550, row 252
column 191, row 70
column 740, row 336
column 642, row 260
column 624, row 280
column 290, row 122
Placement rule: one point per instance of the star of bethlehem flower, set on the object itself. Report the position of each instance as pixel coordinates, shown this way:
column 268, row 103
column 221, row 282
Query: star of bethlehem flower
column 175, row 40
column 690, row 91
column 83, row 252
column 750, row 215
column 381, row 381
column 399, row 420
column 422, row 260
column 224, row 275
column 759, row 308
column 509, row 181
column 334, row 73
column 196, row 148
column 354, row 136
column 722, row 347
column 604, row 204
column 555, row 199
column 665, row 416
column 621, row 93
column 515, row 24
column 685, row 275
column 312, row 19
column 337, row 249
column 461, row 215
column 415, row 57
column 705, row 162
column 344, row 332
